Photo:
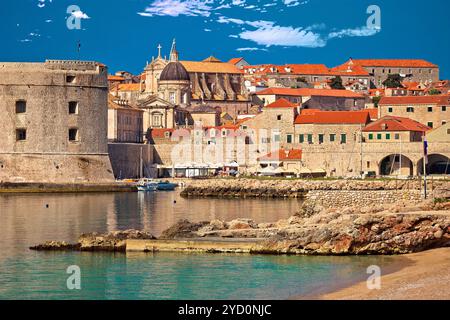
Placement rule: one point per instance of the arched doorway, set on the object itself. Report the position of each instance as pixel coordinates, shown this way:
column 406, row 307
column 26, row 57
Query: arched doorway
column 396, row 165
column 438, row 164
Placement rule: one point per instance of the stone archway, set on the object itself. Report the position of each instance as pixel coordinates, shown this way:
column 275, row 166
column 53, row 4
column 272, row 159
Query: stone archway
column 396, row 165
column 438, row 164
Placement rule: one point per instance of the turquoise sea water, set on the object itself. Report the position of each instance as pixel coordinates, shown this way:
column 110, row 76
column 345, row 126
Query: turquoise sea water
column 26, row 220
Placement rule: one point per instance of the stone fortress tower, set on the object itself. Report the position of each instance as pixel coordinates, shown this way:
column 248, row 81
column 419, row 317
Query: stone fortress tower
column 54, row 121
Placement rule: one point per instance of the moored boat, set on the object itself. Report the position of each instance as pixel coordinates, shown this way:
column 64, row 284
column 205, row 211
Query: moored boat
column 147, row 185
column 166, row 186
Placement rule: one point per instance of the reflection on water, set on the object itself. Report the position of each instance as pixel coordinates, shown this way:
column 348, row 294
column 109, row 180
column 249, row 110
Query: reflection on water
column 33, row 218
column 30, row 219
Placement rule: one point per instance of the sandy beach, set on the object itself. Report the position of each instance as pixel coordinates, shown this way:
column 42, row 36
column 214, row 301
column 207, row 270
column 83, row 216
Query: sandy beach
column 426, row 278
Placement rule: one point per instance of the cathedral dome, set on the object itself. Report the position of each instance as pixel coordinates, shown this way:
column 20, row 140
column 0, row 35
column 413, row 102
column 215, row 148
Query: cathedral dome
column 174, row 71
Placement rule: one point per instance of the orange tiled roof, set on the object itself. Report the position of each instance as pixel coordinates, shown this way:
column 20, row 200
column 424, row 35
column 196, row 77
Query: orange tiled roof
column 409, row 100
column 396, row 63
column 373, row 113
column 390, row 123
column 302, row 92
column 129, row 87
column 115, row 78
column 160, row 132
column 210, row 67
column 307, row 69
column 334, row 117
column 235, row 60
column 376, row 92
column 345, row 70
column 309, row 111
column 281, row 103
column 282, row 155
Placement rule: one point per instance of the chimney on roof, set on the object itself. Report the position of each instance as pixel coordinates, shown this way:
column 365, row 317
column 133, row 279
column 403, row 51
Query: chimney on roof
column 384, row 126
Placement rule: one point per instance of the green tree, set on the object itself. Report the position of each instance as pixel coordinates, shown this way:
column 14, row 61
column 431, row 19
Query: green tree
column 376, row 101
column 393, row 81
column 434, row 92
column 336, row 83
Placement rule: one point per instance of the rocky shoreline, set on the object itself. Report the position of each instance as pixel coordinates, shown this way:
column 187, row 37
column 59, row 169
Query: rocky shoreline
column 279, row 188
column 383, row 229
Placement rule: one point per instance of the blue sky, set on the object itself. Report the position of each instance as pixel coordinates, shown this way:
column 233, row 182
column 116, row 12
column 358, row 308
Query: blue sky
column 124, row 34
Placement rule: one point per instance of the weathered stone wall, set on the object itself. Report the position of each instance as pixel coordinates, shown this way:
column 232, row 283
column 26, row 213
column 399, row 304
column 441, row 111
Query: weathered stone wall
column 126, row 159
column 297, row 188
column 361, row 198
column 46, row 153
column 55, row 168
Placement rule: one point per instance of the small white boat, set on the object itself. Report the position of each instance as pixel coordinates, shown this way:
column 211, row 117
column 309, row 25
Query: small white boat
column 147, row 185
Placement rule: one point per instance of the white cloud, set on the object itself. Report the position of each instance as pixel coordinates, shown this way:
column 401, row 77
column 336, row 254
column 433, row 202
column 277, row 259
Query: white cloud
column 42, row 3
column 207, row 30
column 250, row 49
column 272, row 35
column 175, row 8
column 80, row 15
column 223, row 19
column 357, row 32
column 25, row 40
column 238, row 2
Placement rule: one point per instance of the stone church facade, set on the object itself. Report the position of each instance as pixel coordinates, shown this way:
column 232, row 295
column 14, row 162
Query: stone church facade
column 208, row 82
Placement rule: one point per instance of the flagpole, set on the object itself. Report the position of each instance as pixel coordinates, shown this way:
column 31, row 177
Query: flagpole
column 425, row 151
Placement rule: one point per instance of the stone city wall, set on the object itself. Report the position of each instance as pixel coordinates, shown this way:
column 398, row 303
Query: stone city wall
column 126, row 160
column 360, row 198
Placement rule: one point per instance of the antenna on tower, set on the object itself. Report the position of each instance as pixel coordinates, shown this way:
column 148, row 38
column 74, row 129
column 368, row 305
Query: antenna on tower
column 79, row 49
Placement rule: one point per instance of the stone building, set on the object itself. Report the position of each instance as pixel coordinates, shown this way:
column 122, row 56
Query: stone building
column 211, row 82
column 282, row 162
column 55, row 122
column 324, row 99
column 330, row 127
column 395, row 131
column 273, row 126
column 432, row 111
column 125, row 122
column 409, row 69
column 307, row 75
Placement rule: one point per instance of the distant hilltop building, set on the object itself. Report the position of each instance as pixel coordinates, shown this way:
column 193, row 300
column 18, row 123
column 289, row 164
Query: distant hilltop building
column 410, row 69
column 54, row 122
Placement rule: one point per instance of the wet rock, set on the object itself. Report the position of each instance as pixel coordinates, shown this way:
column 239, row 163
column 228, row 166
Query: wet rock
column 242, row 224
column 113, row 241
column 183, row 229
column 56, row 246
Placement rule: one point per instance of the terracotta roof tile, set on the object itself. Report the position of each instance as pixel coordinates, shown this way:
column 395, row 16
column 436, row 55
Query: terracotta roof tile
column 304, row 92
column 334, row 117
column 390, row 123
column 409, row 100
column 210, row 67
column 115, row 78
column 396, row 63
column 281, row 103
column 235, row 60
column 129, row 87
